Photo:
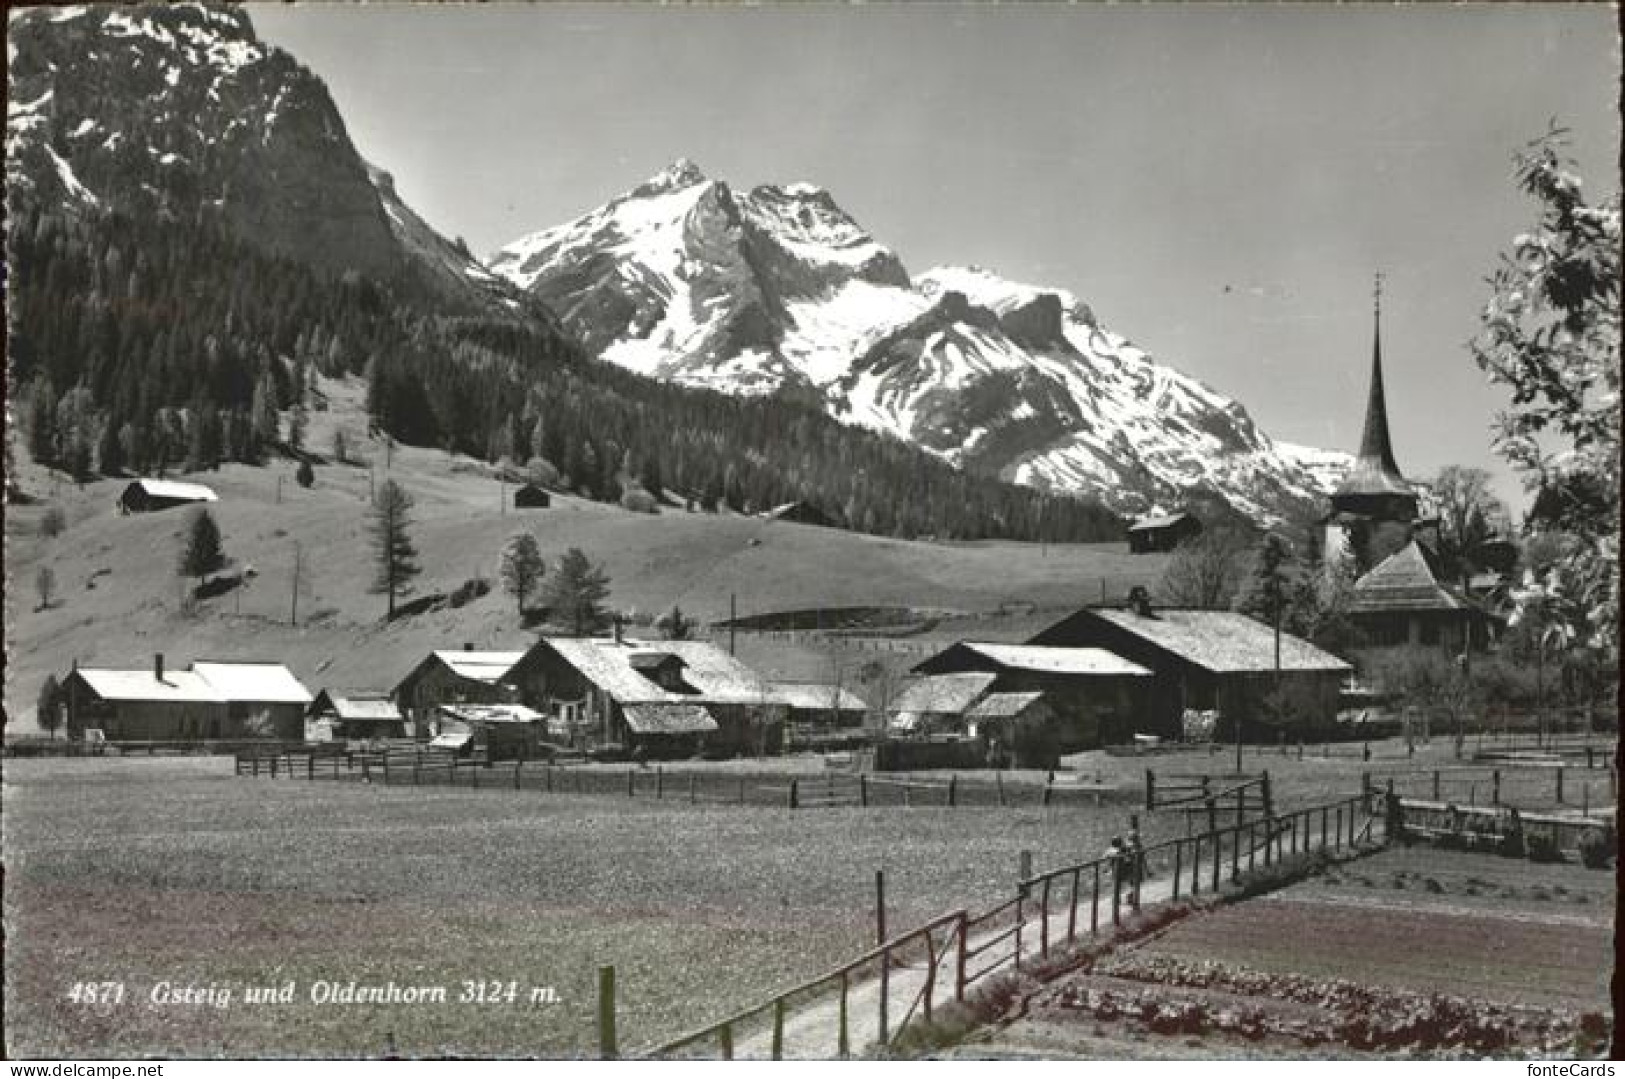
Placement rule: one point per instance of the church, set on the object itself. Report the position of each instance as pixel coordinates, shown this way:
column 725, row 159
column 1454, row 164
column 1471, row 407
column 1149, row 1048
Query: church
column 1376, row 522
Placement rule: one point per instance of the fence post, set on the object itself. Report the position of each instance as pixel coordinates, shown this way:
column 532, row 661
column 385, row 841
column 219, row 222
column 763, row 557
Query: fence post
column 417, row 762
column 1196, row 865
column 606, row 1013
column 1117, row 890
column 953, row 791
column 1218, row 849
column 741, row 790
column 725, row 1038
column 517, row 765
column 1495, row 787
column 998, row 781
column 1179, row 847
column 660, row 781
column 795, row 792
column 844, row 1037
column 1072, row 911
column 1365, row 793
column 1094, row 904
column 1043, row 920
column 1150, row 790
column 310, row 773
column 1212, row 810
column 885, row 956
column 631, row 783
column 1235, row 853
column 1560, row 784
column 1252, row 844
column 778, row 1029
column 1435, row 784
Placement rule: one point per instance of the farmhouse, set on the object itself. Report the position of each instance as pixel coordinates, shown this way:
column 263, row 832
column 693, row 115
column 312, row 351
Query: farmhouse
column 360, row 718
column 1098, row 698
column 532, row 497
column 1162, row 532
column 665, row 698
column 454, row 677
column 499, row 732
column 1401, row 602
column 211, row 700
column 1211, row 660
column 146, row 496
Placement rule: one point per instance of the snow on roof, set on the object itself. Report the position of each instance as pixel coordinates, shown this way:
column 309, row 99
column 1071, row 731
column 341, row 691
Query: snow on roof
column 667, row 718
column 1034, row 657
column 1224, row 642
column 489, row 667
column 264, row 682
column 177, row 686
column 944, row 692
column 190, row 492
column 714, row 674
column 813, row 696
column 1002, row 705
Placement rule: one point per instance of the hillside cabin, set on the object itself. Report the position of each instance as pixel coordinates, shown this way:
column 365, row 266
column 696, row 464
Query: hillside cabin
column 497, row 732
column 1097, row 697
column 147, row 496
column 1162, row 532
column 454, row 677
column 366, row 717
column 656, row 698
column 1401, row 602
column 212, row 700
column 1213, row 661
column 532, row 497
column 801, row 513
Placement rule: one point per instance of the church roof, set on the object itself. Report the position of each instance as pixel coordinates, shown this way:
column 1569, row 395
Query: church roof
column 1404, row 581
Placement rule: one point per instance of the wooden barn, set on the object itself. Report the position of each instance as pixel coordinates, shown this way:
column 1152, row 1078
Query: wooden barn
column 497, row 732
column 663, row 698
column 532, row 497
column 935, row 704
column 1211, row 660
column 358, row 718
column 1014, row 730
column 454, row 677
column 1098, row 698
column 1401, row 602
column 146, row 496
column 1162, row 532
column 803, row 513
column 212, row 700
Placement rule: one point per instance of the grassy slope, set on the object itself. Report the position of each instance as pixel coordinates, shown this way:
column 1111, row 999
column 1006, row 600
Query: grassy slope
column 695, row 560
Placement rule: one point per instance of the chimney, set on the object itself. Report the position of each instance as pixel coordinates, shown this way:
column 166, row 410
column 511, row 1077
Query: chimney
column 617, row 624
column 468, row 646
column 1139, row 601
column 158, row 666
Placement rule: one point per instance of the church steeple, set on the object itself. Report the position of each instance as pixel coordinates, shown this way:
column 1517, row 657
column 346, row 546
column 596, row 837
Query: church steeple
column 1376, row 474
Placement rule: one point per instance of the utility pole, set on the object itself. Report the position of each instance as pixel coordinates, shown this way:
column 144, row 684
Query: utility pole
column 298, row 572
column 733, row 615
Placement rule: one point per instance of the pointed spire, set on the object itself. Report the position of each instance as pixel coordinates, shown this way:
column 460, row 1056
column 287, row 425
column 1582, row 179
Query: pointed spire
column 1376, row 471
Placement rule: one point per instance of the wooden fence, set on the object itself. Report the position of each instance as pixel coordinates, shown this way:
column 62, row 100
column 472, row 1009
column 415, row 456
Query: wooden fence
column 1210, row 797
column 417, row 764
column 954, row 951
column 1487, row 827
column 1529, row 783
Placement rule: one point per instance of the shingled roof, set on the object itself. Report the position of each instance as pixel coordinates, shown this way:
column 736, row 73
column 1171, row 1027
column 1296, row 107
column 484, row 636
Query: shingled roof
column 714, row 674
column 1224, row 642
column 1002, row 705
column 1050, row 660
column 1403, row 582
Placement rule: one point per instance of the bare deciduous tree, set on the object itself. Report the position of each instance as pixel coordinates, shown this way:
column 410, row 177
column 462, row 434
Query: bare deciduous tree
column 1206, row 572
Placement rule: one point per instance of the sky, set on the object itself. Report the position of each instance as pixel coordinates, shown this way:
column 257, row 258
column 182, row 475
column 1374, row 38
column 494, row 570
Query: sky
column 1218, row 182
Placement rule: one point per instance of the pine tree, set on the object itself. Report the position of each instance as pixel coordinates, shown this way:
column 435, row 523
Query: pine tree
column 392, row 546
column 576, row 592
column 522, row 567
column 201, row 554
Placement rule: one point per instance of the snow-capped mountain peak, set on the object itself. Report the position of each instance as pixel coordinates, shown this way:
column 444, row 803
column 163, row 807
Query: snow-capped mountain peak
column 780, row 290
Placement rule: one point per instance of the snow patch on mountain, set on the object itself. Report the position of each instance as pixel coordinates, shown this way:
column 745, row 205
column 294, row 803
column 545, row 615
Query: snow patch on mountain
column 687, row 279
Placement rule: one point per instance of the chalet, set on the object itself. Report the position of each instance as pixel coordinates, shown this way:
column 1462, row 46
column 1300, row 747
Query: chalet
column 1211, row 660
column 146, row 496
column 1098, row 698
column 665, row 698
column 532, row 497
column 804, row 513
column 360, row 718
column 1402, row 602
column 454, row 677
column 498, row 732
column 211, row 700
column 1162, row 532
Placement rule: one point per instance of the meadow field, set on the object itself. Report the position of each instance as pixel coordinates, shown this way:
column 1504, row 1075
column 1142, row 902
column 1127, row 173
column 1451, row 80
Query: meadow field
column 143, row 872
